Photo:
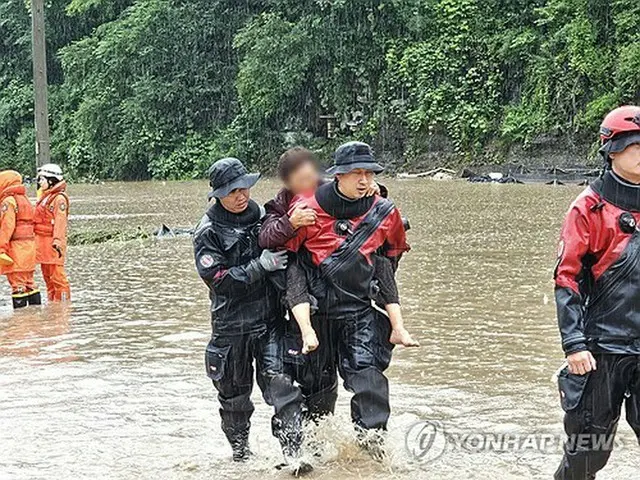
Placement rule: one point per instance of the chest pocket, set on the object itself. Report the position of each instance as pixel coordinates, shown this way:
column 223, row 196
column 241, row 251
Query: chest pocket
column 239, row 243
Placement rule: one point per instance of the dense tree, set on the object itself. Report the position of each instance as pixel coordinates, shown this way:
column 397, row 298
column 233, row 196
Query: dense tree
column 160, row 88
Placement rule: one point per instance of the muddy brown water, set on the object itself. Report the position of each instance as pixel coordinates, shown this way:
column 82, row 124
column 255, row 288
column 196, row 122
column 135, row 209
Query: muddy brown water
column 114, row 386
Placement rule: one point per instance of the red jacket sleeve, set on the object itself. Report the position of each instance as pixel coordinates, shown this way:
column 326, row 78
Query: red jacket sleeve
column 396, row 236
column 573, row 246
column 295, row 242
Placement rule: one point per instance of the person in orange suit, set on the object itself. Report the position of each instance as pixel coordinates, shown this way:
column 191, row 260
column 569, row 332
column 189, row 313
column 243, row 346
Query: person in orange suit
column 51, row 219
column 17, row 240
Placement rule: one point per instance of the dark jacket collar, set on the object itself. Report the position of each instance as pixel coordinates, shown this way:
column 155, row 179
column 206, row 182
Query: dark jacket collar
column 618, row 191
column 253, row 213
column 340, row 207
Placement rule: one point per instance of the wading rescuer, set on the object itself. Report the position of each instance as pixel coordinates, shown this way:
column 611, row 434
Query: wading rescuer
column 51, row 220
column 349, row 227
column 598, row 300
column 298, row 170
column 17, row 240
column 246, row 314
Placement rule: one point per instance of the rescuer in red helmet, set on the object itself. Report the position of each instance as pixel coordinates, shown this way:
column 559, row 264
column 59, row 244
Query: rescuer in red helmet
column 598, row 300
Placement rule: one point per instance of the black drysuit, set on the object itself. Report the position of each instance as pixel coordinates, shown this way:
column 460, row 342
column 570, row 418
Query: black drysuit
column 247, row 323
column 598, row 299
column 353, row 336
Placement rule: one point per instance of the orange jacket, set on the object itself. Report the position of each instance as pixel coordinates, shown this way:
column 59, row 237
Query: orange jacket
column 51, row 219
column 16, row 224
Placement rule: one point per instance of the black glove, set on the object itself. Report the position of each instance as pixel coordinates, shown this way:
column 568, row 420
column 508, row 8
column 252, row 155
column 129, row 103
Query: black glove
column 272, row 261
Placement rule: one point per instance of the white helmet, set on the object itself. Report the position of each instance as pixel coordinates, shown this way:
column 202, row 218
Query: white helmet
column 51, row 170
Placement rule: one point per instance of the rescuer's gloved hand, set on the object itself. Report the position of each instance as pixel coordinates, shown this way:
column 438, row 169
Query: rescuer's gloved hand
column 272, row 261
column 5, row 259
column 57, row 247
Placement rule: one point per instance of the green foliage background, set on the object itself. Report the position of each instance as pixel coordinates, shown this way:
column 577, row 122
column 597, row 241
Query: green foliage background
column 161, row 88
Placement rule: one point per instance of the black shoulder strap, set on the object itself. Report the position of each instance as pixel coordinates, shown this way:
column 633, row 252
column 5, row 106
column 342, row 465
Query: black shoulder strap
column 367, row 227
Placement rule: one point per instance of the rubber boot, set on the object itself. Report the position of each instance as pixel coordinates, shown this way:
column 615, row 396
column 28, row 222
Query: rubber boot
column 19, row 300
column 286, row 423
column 239, row 440
column 372, row 442
column 34, row 298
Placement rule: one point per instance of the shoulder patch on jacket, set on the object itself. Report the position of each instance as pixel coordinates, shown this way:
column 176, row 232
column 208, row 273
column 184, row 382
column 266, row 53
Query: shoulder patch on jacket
column 206, row 261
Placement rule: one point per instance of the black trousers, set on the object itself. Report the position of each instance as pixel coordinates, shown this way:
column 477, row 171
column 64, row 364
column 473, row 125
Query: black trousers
column 358, row 346
column 593, row 403
column 229, row 361
column 316, row 375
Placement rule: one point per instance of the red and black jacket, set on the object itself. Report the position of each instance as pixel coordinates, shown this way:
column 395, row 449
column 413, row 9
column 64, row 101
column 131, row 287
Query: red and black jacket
column 598, row 271
column 371, row 223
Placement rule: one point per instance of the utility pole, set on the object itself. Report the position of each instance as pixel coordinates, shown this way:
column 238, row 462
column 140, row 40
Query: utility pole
column 41, row 110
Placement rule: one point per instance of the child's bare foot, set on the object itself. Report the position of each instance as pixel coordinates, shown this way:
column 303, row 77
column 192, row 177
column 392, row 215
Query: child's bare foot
column 401, row 336
column 309, row 342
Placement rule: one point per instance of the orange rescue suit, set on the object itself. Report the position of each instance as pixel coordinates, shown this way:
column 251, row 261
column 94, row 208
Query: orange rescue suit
column 17, row 239
column 51, row 220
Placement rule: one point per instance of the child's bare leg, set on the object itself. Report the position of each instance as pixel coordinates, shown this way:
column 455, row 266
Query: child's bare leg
column 302, row 314
column 399, row 334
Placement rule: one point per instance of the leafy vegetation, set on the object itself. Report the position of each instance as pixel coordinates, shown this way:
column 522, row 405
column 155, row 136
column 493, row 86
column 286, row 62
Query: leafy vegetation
column 161, row 88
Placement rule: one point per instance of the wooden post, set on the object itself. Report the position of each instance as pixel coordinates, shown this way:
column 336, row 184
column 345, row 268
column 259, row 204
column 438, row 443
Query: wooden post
column 41, row 110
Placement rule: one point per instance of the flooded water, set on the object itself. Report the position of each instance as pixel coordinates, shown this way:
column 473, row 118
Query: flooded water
column 114, row 386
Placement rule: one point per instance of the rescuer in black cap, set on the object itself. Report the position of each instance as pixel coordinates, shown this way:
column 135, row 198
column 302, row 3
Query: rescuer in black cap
column 246, row 314
column 337, row 251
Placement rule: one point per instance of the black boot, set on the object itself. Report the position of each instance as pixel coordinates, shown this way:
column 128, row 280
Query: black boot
column 239, row 440
column 19, row 300
column 372, row 442
column 286, row 423
column 291, row 443
column 34, row 298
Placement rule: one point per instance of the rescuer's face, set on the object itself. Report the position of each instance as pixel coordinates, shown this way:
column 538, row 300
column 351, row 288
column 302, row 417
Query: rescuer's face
column 303, row 179
column 43, row 183
column 237, row 201
column 356, row 183
column 627, row 163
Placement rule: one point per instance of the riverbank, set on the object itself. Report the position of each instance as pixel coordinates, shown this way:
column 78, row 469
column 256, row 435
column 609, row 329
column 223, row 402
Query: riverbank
column 544, row 152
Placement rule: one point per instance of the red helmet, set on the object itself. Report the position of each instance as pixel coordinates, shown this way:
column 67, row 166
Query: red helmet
column 621, row 120
column 619, row 129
